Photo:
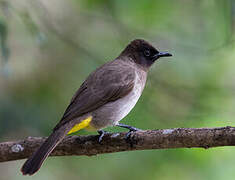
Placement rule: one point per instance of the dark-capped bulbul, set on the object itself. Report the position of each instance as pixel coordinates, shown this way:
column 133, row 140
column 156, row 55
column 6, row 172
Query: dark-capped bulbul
column 104, row 98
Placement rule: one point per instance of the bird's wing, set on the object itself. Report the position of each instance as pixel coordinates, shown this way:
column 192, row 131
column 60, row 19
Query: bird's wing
column 108, row 83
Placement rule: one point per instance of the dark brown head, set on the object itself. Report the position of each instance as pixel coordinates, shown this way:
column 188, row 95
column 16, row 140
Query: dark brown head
column 143, row 53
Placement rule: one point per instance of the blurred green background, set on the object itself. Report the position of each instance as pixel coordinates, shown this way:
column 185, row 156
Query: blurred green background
column 47, row 49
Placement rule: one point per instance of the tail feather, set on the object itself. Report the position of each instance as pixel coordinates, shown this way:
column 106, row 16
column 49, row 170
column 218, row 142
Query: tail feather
column 34, row 163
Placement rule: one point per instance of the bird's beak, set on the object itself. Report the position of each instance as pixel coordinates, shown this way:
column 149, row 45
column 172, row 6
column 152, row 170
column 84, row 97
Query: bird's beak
column 163, row 54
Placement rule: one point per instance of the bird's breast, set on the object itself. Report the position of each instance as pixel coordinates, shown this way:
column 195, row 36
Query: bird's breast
column 127, row 103
column 111, row 113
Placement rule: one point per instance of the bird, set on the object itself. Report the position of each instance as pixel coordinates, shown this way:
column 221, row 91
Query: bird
column 103, row 99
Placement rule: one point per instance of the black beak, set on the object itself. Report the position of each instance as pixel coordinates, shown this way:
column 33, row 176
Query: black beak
column 163, row 54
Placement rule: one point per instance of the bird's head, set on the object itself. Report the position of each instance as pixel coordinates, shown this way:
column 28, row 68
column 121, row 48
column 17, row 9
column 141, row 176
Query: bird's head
column 143, row 53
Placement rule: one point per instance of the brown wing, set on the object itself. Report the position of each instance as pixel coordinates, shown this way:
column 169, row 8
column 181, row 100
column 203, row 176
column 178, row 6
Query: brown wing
column 108, row 83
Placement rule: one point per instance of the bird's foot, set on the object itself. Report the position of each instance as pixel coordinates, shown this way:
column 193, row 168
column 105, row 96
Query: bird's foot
column 131, row 129
column 128, row 134
column 101, row 135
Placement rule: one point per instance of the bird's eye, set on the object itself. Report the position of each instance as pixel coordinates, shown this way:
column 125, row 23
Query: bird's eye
column 147, row 53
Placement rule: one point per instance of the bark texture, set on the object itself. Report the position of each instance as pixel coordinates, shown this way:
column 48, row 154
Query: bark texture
column 116, row 142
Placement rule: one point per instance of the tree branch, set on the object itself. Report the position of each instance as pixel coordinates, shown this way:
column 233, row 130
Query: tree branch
column 141, row 140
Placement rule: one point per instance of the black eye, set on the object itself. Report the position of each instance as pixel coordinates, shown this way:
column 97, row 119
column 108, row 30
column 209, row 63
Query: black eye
column 147, row 52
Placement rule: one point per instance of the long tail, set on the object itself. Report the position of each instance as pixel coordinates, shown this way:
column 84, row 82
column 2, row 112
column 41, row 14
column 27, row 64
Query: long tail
column 34, row 163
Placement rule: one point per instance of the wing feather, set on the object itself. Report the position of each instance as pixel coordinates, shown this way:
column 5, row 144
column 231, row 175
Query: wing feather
column 108, row 83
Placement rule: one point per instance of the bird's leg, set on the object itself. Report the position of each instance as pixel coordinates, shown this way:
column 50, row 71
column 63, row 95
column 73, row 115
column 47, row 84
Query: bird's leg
column 101, row 133
column 131, row 129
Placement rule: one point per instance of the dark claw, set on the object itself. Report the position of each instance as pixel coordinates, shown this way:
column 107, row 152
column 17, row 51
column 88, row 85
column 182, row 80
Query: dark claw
column 131, row 129
column 101, row 133
column 135, row 129
column 128, row 134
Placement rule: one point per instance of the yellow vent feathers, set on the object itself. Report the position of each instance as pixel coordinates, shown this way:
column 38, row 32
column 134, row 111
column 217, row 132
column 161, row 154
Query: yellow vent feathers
column 85, row 123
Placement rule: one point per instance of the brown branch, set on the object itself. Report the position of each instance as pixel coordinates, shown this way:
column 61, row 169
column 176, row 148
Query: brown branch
column 141, row 140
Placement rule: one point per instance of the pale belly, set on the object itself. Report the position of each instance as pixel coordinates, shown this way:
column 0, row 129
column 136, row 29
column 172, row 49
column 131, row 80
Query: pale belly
column 111, row 113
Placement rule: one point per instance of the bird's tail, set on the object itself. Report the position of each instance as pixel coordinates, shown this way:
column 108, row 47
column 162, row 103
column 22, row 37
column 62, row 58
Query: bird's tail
column 34, row 163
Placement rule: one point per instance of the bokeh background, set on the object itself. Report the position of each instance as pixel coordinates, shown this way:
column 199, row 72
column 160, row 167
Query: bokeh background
column 47, row 49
